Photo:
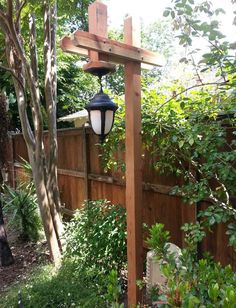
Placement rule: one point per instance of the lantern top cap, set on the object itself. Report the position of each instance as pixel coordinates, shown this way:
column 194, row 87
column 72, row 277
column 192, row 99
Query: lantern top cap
column 101, row 101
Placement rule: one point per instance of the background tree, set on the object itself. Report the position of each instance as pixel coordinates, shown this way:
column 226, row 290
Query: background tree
column 5, row 251
column 19, row 28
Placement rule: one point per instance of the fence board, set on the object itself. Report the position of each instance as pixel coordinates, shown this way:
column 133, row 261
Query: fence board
column 158, row 204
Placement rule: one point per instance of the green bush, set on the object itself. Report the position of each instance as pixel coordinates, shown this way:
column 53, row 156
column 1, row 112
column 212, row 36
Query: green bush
column 88, row 277
column 21, row 207
column 196, row 283
column 96, row 236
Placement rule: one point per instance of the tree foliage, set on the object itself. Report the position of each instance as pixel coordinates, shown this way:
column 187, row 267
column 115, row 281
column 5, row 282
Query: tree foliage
column 190, row 131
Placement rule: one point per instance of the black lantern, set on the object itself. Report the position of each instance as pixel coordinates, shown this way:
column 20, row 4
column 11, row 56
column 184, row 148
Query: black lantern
column 101, row 112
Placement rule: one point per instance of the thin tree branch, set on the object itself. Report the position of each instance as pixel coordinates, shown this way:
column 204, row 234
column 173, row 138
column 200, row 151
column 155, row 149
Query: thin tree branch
column 4, row 24
column 3, row 17
column 222, row 204
column 10, row 9
column 33, row 47
column 34, row 90
column 20, row 93
column 21, row 6
column 54, row 50
column 196, row 70
column 211, row 43
column 190, row 88
column 223, row 187
column 50, row 95
column 13, row 74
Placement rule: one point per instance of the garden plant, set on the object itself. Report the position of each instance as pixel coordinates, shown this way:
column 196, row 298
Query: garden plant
column 92, row 267
column 188, row 127
column 191, row 282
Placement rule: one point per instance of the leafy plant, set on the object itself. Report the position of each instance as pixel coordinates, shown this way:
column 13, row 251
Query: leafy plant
column 189, row 127
column 196, row 283
column 96, row 236
column 187, row 137
column 21, row 206
column 113, row 290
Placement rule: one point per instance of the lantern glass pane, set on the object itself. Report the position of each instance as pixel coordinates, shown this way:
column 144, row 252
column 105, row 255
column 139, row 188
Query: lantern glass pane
column 95, row 119
column 109, row 121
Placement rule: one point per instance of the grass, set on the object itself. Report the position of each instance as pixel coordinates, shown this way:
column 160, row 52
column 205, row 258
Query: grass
column 64, row 287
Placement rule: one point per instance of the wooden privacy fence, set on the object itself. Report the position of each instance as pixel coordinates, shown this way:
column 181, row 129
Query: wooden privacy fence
column 81, row 177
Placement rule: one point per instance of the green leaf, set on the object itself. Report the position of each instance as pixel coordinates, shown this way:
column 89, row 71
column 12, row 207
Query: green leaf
column 191, row 141
column 166, row 13
column 173, row 14
column 181, row 143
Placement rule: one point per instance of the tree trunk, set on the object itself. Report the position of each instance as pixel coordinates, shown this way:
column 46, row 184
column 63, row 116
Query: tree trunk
column 45, row 212
column 26, row 83
column 5, row 251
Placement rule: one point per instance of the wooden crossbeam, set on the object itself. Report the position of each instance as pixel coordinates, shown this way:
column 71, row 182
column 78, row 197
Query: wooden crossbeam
column 68, row 46
column 118, row 52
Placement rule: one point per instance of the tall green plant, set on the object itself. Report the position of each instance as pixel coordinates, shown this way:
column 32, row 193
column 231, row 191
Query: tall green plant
column 21, row 206
column 96, row 236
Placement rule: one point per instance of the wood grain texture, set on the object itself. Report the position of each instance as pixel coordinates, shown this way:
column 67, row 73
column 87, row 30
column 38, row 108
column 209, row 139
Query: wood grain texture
column 134, row 202
column 118, row 52
column 158, row 204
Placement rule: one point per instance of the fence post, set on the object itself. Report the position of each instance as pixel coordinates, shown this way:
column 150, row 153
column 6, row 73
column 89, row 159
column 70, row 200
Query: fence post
column 86, row 163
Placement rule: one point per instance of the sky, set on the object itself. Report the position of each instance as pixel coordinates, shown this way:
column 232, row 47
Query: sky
column 151, row 10
column 148, row 10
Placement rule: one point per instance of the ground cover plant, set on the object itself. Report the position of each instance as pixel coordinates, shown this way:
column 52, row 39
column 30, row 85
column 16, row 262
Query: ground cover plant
column 91, row 267
column 49, row 287
column 21, row 206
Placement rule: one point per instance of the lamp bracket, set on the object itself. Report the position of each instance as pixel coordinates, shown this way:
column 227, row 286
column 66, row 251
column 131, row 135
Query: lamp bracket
column 99, row 68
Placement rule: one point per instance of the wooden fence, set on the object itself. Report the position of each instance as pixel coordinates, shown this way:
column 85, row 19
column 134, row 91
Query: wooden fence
column 81, row 177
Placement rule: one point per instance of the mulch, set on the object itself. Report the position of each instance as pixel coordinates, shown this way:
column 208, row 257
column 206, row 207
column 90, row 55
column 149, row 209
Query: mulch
column 27, row 256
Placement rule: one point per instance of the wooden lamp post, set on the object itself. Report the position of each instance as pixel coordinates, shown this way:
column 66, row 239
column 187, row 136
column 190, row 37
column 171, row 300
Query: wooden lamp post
column 103, row 53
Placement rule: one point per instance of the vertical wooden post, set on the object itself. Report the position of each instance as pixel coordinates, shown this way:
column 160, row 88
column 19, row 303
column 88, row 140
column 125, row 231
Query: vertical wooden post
column 133, row 166
column 97, row 19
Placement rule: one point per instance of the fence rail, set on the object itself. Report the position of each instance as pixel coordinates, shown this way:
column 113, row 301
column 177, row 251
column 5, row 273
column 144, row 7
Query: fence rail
column 81, row 177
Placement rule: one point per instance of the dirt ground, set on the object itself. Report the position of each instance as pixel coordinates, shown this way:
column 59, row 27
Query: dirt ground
column 27, row 256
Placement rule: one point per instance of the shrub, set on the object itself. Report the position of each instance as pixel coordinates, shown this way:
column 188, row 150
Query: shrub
column 197, row 283
column 88, row 277
column 96, row 236
column 21, row 206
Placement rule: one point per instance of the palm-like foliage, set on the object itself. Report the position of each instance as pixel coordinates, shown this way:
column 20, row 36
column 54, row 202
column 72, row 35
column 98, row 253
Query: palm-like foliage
column 20, row 205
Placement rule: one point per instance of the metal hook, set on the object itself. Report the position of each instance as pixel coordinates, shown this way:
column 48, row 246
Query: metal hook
column 100, row 82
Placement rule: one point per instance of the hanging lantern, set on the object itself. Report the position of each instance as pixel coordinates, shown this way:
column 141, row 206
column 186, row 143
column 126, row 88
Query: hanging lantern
column 101, row 109
column 101, row 112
